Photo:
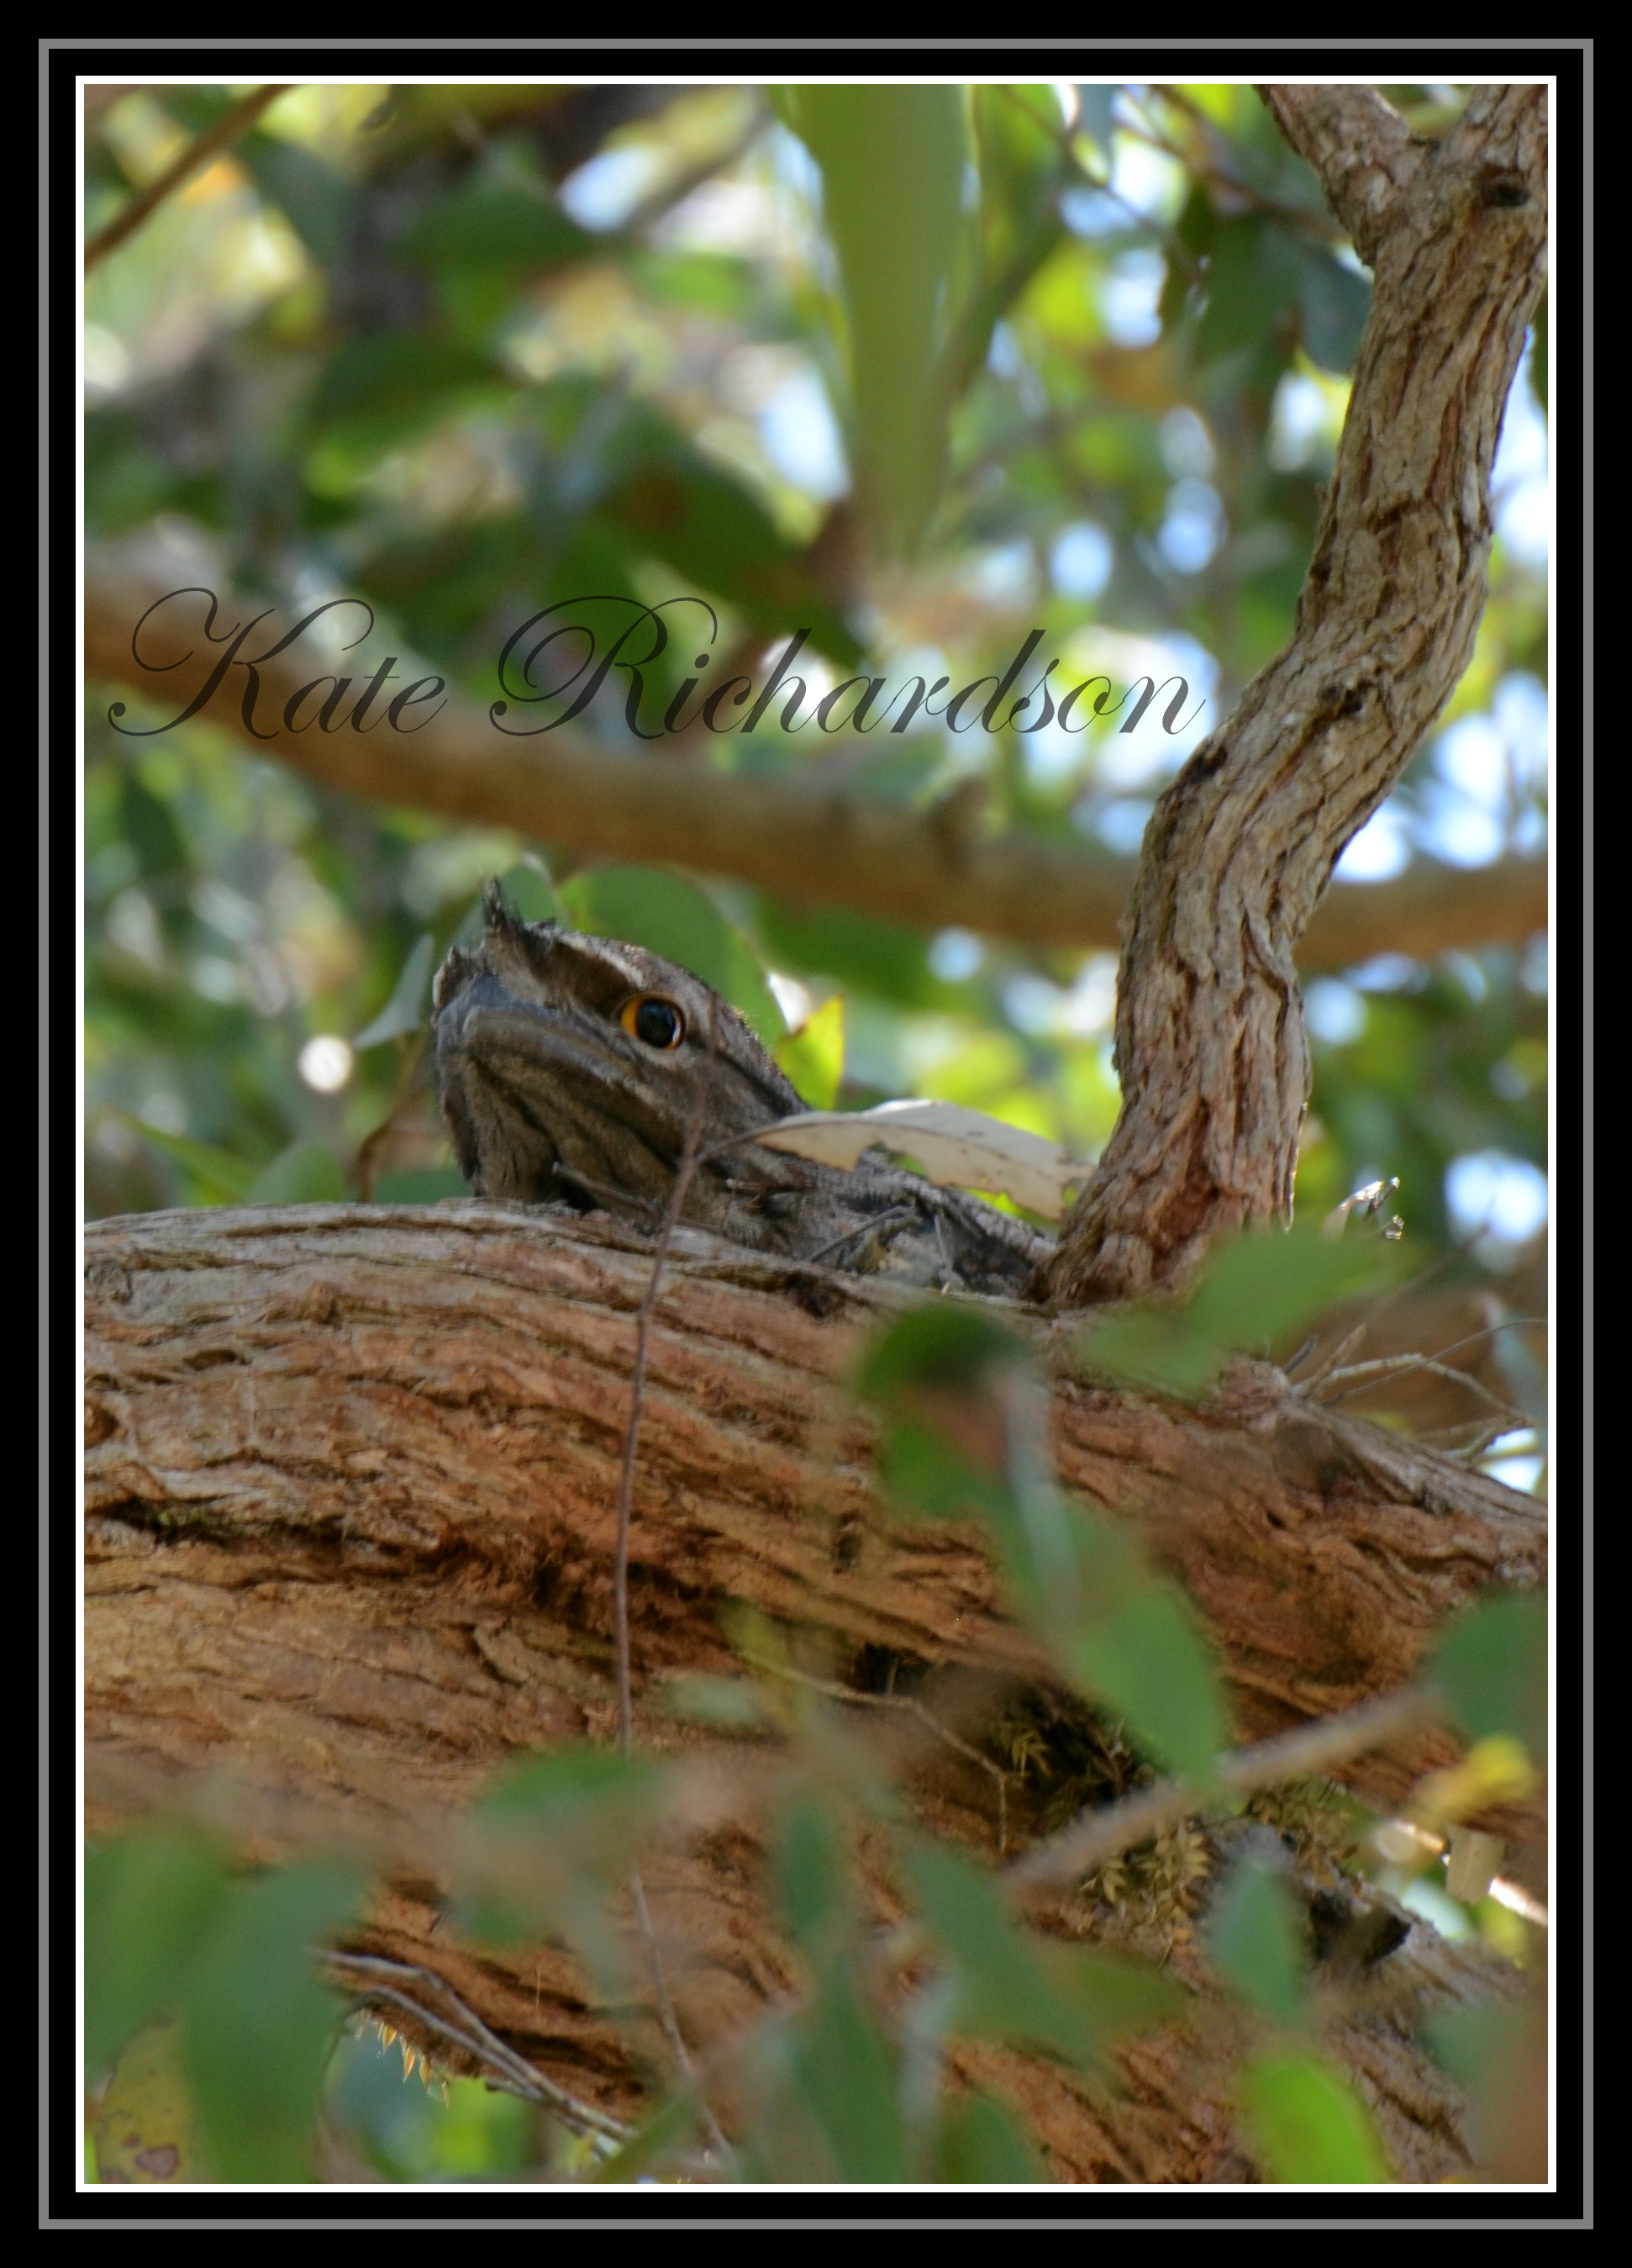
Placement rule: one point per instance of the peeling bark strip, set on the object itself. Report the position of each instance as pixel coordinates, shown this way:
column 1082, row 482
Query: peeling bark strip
column 351, row 1479
column 1210, row 1029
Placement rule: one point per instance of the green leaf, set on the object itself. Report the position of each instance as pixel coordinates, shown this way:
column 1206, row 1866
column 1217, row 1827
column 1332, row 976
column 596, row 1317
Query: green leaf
column 892, row 160
column 1255, row 275
column 1492, row 1667
column 846, row 2077
column 149, row 1899
column 980, row 2143
column 941, row 1348
column 662, row 910
column 497, row 227
column 314, row 197
column 1015, row 1988
column 1260, row 1290
column 385, row 387
column 670, row 2128
column 1306, row 2126
column 561, row 1791
column 668, row 501
column 549, row 1842
column 813, row 1881
column 225, row 1179
column 428, row 1185
column 1146, row 1658
column 964, row 1434
column 1257, row 1939
column 259, row 2024
column 146, row 2127
column 411, row 999
column 1335, row 304
column 813, row 1056
column 942, row 1376
column 306, row 1173
column 529, row 892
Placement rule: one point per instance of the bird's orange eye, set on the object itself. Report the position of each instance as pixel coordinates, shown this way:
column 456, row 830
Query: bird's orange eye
column 655, row 1022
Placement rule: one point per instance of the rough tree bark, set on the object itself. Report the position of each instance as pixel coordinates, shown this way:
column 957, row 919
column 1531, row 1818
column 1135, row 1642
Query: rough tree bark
column 351, row 1476
column 1209, row 1029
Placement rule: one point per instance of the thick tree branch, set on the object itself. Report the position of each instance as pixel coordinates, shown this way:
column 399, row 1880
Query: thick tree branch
column 351, row 1485
column 1210, row 1034
column 812, row 845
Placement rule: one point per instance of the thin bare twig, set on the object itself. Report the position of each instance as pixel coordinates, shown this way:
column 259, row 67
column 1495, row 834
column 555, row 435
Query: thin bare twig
column 1399, row 1366
column 1389, row 1300
column 913, row 1707
column 621, row 1563
column 228, row 129
column 637, row 1397
column 399, row 1984
column 1408, row 1363
column 1097, row 1835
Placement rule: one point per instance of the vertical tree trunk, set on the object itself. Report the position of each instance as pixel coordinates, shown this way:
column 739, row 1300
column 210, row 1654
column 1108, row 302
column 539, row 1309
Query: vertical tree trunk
column 1210, row 1030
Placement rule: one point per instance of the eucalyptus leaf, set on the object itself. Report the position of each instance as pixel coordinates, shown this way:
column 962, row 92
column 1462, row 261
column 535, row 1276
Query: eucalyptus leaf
column 411, row 999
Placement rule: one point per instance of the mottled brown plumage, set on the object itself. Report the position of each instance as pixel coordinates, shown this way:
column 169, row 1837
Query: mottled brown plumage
column 571, row 1067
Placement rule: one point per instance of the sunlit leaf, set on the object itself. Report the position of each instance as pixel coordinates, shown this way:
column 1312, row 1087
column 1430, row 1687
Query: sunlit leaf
column 529, row 892
column 146, row 2128
column 813, row 1056
column 950, row 1144
column 1306, row 2124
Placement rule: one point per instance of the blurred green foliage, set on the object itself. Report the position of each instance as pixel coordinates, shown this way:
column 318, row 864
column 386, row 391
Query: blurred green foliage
column 464, row 351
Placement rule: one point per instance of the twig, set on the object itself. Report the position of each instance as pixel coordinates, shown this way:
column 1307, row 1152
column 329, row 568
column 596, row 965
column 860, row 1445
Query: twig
column 1399, row 1366
column 620, row 1562
column 913, row 1707
column 637, row 1397
column 1425, row 1361
column 1323, row 1370
column 1392, row 1299
column 382, row 1983
column 666, row 2016
column 227, row 130
column 1097, row 1835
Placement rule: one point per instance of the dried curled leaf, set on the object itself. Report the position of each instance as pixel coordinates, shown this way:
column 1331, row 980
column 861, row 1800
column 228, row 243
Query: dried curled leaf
column 961, row 1148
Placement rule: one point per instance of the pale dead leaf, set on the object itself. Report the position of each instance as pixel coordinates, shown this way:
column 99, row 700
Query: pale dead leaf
column 962, row 1148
